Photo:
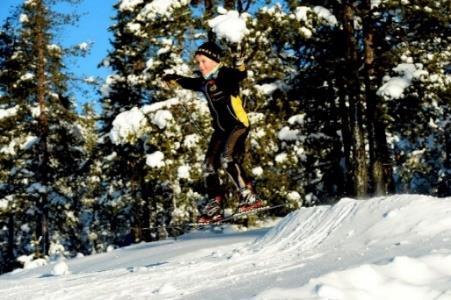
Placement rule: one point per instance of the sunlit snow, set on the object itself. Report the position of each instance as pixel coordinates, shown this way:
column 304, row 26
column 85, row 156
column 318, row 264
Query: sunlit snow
column 395, row 247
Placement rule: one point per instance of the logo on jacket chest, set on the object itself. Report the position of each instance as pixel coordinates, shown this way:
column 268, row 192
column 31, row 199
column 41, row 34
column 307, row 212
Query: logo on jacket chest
column 212, row 87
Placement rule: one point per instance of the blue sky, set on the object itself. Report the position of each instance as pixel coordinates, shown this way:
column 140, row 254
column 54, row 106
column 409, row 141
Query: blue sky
column 93, row 27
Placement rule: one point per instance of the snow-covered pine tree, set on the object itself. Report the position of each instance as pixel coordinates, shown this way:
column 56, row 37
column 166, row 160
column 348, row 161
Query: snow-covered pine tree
column 273, row 158
column 148, row 38
column 314, row 87
column 43, row 147
column 293, row 74
column 123, row 89
column 176, row 131
column 88, row 189
column 416, row 89
column 14, row 159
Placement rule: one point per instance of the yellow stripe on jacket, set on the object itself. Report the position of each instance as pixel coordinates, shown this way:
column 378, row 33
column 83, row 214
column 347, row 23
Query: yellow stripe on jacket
column 238, row 109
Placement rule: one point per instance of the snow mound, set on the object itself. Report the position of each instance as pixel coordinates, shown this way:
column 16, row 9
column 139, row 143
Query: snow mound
column 403, row 217
column 396, row 247
column 402, row 278
column 61, row 268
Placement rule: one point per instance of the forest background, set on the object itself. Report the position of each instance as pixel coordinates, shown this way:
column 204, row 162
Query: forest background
column 346, row 99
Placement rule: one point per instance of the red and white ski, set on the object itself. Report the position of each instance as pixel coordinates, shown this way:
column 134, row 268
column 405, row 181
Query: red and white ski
column 235, row 216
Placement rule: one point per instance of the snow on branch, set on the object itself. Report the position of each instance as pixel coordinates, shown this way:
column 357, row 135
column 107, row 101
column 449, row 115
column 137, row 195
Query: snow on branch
column 230, row 25
column 394, row 87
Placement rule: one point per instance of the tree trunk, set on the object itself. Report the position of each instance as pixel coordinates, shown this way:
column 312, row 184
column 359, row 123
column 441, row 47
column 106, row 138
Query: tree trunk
column 229, row 4
column 346, row 136
column 379, row 153
column 10, row 250
column 444, row 189
column 355, row 101
column 41, row 45
column 338, row 173
column 208, row 13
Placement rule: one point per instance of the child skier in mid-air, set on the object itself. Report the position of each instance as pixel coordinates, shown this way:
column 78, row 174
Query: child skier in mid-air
column 220, row 85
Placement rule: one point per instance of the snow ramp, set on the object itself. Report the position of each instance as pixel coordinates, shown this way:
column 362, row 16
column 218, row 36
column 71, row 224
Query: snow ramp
column 392, row 220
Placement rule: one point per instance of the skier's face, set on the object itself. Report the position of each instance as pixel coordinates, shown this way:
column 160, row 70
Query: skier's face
column 205, row 64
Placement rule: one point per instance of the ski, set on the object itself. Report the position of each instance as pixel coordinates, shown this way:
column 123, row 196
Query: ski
column 226, row 220
column 234, row 216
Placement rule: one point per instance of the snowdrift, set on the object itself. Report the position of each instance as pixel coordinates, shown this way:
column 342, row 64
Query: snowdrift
column 391, row 220
column 407, row 238
column 396, row 247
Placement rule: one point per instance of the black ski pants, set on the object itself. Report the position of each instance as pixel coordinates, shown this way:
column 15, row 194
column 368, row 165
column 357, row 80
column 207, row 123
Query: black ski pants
column 226, row 150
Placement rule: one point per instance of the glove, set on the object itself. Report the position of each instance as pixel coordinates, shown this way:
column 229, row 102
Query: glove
column 239, row 63
column 239, row 60
column 238, row 54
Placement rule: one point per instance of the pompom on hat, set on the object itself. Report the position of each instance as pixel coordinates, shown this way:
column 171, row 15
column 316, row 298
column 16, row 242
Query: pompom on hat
column 210, row 50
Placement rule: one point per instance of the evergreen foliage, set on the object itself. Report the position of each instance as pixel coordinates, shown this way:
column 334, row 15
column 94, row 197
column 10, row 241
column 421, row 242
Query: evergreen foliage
column 42, row 143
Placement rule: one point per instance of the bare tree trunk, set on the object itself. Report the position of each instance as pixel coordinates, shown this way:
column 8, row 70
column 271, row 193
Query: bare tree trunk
column 11, row 243
column 41, row 44
column 381, row 171
column 444, row 189
column 346, row 136
column 355, row 101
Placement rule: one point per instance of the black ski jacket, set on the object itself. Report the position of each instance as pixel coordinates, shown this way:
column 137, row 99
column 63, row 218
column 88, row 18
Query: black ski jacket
column 222, row 91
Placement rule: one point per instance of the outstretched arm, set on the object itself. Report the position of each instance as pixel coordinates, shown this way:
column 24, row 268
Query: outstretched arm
column 190, row 83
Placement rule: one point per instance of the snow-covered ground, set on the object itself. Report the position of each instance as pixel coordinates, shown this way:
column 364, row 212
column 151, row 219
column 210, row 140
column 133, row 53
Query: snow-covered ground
column 398, row 247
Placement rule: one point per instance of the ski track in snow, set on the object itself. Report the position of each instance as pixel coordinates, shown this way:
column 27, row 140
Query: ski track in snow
column 308, row 243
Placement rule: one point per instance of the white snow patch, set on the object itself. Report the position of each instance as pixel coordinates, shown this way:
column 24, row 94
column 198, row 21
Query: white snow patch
column 161, row 118
column 129, row 5
column 270, row 88
column 257, row 171
column 155, row 160
column 5, row 202
column 165, row 289
column 60, row 268
column 9, row 112
column 287, row 134
column 294, row 196
column 84, row 46
column 191, row 140
column 127, row 124
column 324, row 13
column 160, row 8
column 404, row 277
column 27, row 76
column 24, row 18
column 301, row 13
column 159, row 105
column 134, row 27
column 305, row 32
column 29, row 262
column 281, row 158
column 183, row 172
column 29, row 142
column 297, row 119
column 394, row 87
column 230, row 25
